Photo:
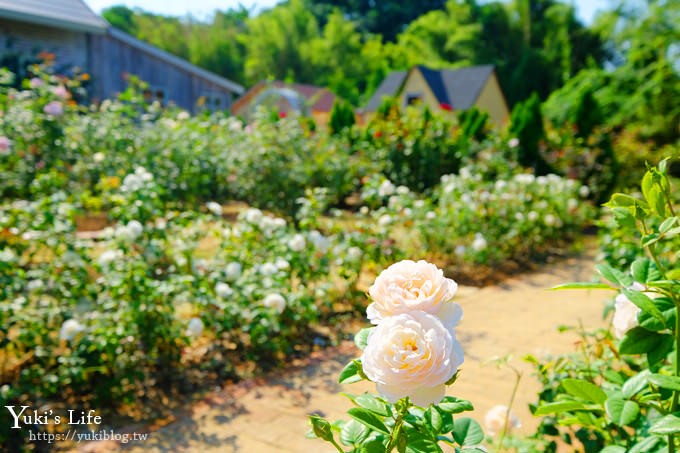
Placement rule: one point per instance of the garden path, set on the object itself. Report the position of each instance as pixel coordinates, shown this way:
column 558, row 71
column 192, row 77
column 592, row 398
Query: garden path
column 265, row 415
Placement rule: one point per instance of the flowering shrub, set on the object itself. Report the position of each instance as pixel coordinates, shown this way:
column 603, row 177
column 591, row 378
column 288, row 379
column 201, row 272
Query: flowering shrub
column 612, row 399
column 412, row 355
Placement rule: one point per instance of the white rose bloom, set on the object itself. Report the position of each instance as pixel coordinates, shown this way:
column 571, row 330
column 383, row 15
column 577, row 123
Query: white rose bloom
column 364, row 210
column 194, row 328
column 431, row 215
column 407, row 286
column 550, row 220
column 354, row 253
column 98, row 157
column 625, row 315
column 7, row 255
column 268, row 269
column 384, row 220
column 533, row 216
column 321, row 243
column 419, row 203
column 297, row 243
column 282, row 264
column 109, row 256
column 513, row 142
column 386, row 188
column 69, row 329
column 214, row 207
column 223, row 290
column 572, row 204
column 275, row 301
column 35, row 285
column 519, row 216
column 233, row 271
column 407, row 212
column 584, row 191
column 135, row 228
column 412, row 354
column 403, row 190
column 494, row 420
column 479, row 243
column 183, row 116
column 253, row 215
column 278, row 222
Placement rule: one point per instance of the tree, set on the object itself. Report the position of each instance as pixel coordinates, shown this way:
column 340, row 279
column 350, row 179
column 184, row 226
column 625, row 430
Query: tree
column 526, row 123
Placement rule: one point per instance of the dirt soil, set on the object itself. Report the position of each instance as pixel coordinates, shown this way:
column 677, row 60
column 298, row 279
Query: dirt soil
column 518, row 317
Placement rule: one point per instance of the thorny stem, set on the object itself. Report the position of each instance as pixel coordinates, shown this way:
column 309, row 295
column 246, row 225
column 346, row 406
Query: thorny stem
column 398, row 422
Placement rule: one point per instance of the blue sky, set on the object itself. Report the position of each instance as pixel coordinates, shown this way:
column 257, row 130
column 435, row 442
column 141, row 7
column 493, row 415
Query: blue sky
column 201, row 8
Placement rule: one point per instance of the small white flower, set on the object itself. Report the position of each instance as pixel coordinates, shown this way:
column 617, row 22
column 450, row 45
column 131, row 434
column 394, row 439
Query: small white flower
column 419, row 203
column 572, row 204
column 407, row 212
column 386, row 188
column 321, row 243
column 519, row 216
column 494, row 420
column 183, row 116
column 194, row 328
column 98, row 157
column 282, row 264
column 431, row 215
column 549, row 220
column 214, row 207
column 584, row 191
column 384, row 220
column 479, row 243
column 268, row 269
column 253, row 216
column 402, row 190
column 108, row 257
column 35, row 285
column 354, row 253
column 297, row 243
column 7, row 255
column 223, row 290
column 460, row 250
column 233, row 271
column 532, row 216
column 363, row 210
column 135, row 228
column 275, row 301
column 69, row 329
column 513, row 142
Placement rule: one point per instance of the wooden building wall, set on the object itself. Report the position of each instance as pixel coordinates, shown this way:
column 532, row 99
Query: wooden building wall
column 27, row 40
column 111, row 59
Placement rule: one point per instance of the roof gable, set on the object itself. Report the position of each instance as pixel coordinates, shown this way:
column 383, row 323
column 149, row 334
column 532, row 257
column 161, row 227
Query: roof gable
column 390, row 86
column 69, row 14
column 320, row 99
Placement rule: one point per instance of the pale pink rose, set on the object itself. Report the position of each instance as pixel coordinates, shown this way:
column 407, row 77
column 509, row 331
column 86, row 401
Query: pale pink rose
column 60, row 91
column 275, row 301
column 626, row 312
column 5, row 145
column 408, row 285
column 36, row 82
column 412, row 354
column 54, row 108
column 494, row 420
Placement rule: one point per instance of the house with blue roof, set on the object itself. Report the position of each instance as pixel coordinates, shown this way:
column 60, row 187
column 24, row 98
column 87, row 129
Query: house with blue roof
column 445, row 89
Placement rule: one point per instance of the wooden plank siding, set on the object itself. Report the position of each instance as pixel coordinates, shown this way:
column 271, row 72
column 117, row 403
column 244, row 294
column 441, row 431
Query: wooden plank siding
column 27, row 40
column 111, row 59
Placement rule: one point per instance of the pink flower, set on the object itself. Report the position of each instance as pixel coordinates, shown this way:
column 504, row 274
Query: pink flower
column 60, row 91
column 5, row 145
column 54, row 108
column 35, row 82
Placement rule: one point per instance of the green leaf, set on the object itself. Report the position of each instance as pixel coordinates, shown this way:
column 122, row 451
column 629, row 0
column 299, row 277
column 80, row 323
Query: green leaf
column 635, row 384
column 453, row 405
column 643, row 270
column 351, row 373
column 669, row 424
column 321, row 427
column 467, row 432
column 671, row 233
column 613, row 449
column 640, row 341
column 660, row 352
column 621, row 412
column 376, row 445
column 645, row 445
column 614, row 275
column 353, row 433
column 418, row 443
column 624, row 217
column 369, row 419
column 361, row 338
column 667, row 224
column 558, row 407
column 370, row 402
column 621, row 200
column 453, row 378
column 434, row 419
column 649, row 239
column 582, row 285
column 666, row 382
column 644, row 303
column 584, row 390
